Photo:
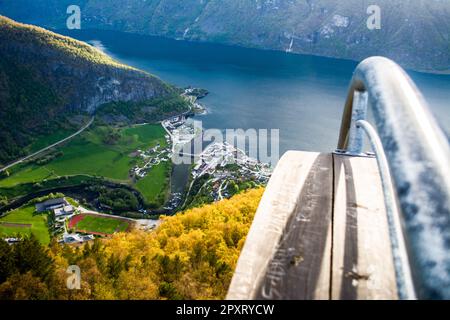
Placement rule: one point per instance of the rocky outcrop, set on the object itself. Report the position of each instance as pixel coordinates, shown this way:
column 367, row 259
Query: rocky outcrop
column 81, row 75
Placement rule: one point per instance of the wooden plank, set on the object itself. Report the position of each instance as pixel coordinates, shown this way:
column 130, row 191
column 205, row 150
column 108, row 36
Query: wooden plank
column 362, row 263
column 287, row 254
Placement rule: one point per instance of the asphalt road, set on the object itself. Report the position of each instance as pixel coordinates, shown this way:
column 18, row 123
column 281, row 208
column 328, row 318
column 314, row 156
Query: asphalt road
column 49, row 147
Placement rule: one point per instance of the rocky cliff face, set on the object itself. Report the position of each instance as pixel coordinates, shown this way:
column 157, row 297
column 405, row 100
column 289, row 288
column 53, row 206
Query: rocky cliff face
column 85, row 90
column 81, row 75
column 413, row 32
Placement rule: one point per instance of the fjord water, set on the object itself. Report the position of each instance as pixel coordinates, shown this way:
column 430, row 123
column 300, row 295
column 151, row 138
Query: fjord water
column 302, row 96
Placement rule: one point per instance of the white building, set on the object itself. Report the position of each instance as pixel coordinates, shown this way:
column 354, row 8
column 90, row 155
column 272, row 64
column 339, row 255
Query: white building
column 63, row 211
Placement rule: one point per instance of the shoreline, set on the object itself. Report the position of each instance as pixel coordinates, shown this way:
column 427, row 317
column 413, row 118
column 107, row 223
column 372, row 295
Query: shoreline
column 249, row 47
column 175, row 200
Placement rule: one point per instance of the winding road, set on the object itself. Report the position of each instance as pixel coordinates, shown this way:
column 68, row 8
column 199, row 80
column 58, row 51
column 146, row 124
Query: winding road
column 49, row 147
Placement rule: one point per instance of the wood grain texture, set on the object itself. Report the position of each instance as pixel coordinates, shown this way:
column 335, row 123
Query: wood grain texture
column 320, row 232
column 362, row 258
column 287, row 251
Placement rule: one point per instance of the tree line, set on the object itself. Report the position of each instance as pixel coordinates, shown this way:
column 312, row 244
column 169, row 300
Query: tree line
column 189, row 256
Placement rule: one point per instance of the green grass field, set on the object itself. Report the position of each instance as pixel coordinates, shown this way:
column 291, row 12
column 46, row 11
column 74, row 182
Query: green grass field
column 26, row 173
column 27, row 188
column 26, row 215
column 145, row 133
column 102, row 225
column 90, row 158
column 42, row 142
column 89, row 155
column 155, row 183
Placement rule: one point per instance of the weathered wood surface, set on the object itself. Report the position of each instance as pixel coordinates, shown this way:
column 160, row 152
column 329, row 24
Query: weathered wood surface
column 287, row 251
column 320, row 232
column 362, row 258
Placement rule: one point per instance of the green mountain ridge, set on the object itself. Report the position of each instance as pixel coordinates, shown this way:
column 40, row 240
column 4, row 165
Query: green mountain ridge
column 51, row 83
column 413, row 32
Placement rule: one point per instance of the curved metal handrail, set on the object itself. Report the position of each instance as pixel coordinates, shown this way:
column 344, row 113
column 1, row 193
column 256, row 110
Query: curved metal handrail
column 405, row 283
column 418, row 154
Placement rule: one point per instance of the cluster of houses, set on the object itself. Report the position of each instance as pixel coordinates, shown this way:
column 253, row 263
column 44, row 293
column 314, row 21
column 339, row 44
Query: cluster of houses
column 214, row 160
column 180, row 130
column 175, row 122
column 151, row 157
column 220, row 154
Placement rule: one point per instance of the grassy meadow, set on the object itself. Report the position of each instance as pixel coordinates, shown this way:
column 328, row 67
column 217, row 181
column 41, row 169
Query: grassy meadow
column 99, row 152
column 44, row 141
column 26, row 216
column 154, row 185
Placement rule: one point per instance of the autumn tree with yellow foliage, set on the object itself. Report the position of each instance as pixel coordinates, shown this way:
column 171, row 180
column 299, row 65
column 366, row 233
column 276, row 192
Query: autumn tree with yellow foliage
column 189, row 256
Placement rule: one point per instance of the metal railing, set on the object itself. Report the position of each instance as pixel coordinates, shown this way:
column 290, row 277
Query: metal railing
column 413, row 155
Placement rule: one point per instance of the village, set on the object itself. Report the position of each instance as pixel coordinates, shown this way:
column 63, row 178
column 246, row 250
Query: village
column 180, row 131
column 150, row 158
column 225, row 170
column 221, row 155
column 221, row 170
column 227, row 167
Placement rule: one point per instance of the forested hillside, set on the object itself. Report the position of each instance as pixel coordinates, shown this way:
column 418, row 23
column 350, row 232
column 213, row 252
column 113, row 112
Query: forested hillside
column 190, row 256
column 48, row 82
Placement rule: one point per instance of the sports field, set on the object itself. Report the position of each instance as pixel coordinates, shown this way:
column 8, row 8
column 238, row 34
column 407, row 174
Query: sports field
column 98, row 224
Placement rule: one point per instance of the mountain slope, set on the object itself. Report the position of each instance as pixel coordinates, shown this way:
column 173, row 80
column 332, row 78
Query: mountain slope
column 415, row 33
column 45, row 78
